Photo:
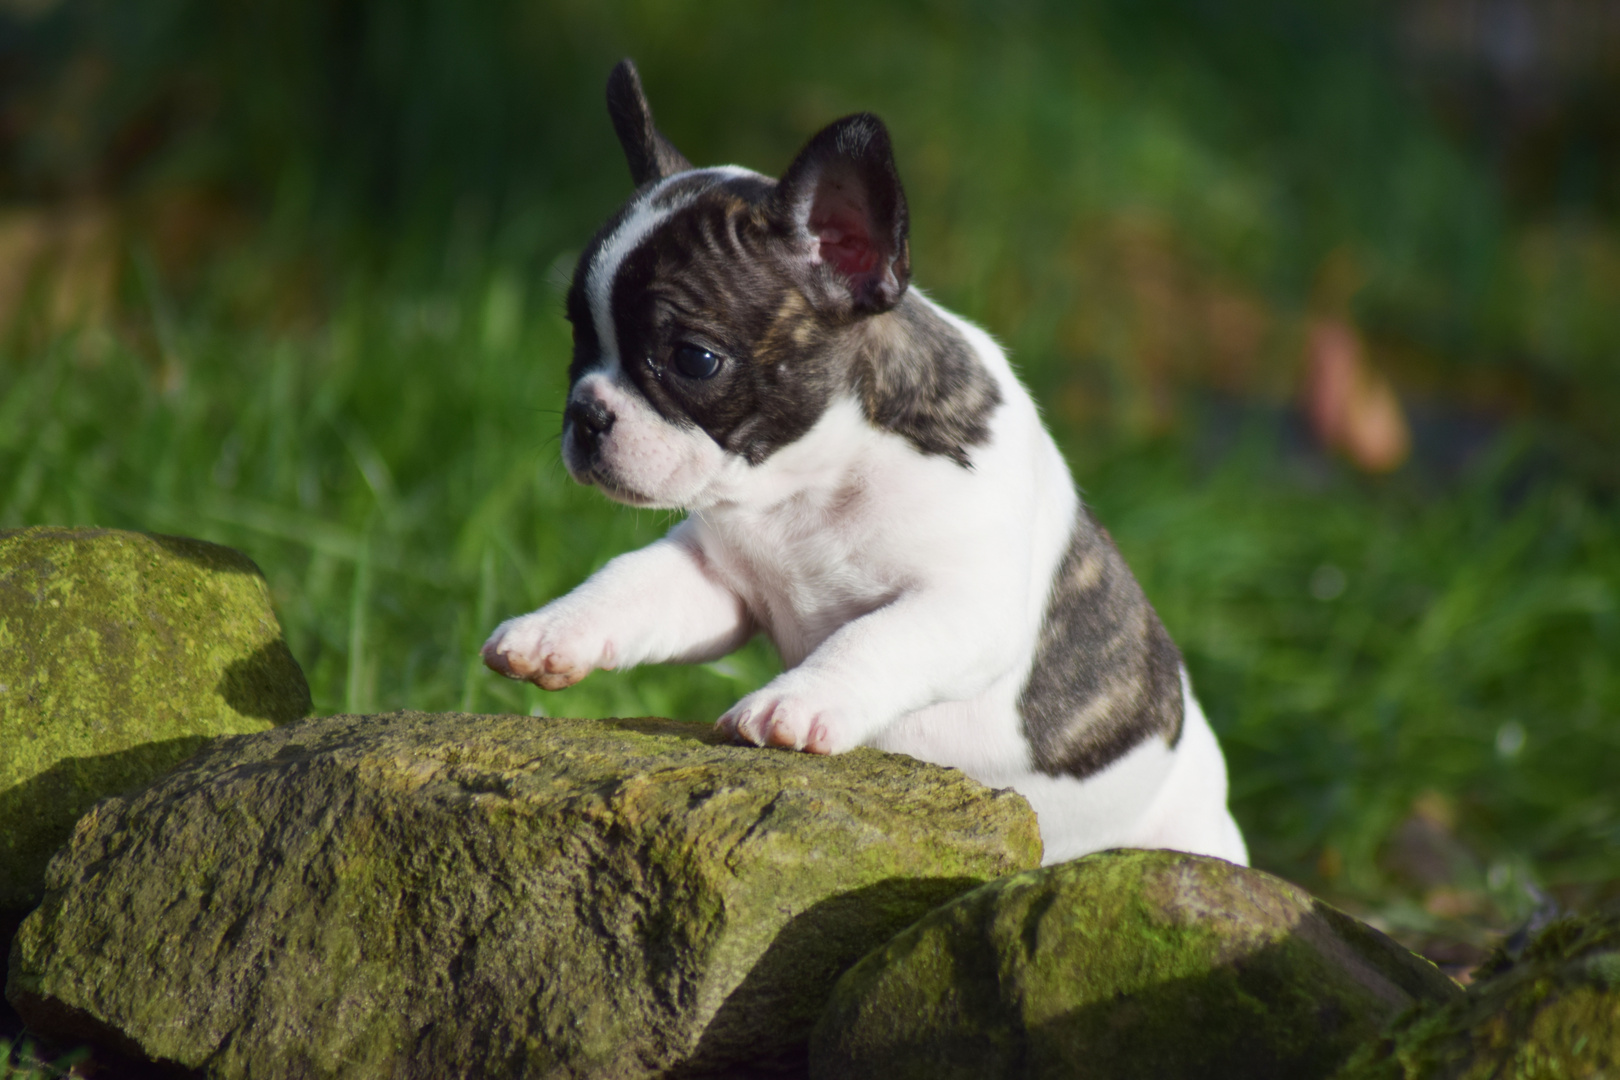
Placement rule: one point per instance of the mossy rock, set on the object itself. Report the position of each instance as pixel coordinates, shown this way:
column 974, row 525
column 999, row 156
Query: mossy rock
column 1550, row 1011
column 120, row 654
column 432, row 895
column 1123, row 964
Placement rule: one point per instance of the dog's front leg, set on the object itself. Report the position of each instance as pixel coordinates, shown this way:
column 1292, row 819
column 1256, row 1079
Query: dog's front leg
column 924, row 647
column 658, row 604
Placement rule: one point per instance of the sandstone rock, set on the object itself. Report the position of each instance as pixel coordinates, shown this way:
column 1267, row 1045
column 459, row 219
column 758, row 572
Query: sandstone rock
column 1551, row 1010
column 120, row 654
column 420, row 895
column 1123, row 964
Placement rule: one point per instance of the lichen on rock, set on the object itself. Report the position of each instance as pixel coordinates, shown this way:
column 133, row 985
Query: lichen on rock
column 120, row 654
column 1121, row 964
column 1549, row 1010
column 454, row 895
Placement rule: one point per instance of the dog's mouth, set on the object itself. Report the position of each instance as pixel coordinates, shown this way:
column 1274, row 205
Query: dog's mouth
column 613, row 488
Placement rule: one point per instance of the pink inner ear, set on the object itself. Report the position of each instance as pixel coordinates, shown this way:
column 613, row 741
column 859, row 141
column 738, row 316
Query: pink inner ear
column 845, row 242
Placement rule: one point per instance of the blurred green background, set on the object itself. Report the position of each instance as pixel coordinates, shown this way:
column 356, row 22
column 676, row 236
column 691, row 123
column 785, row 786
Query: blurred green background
column 1321, row 300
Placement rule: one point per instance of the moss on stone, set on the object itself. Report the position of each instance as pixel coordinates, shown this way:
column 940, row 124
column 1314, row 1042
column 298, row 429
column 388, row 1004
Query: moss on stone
column 453, row 895
column 120, row 654
column 1550, row 1010
column 1122, row 964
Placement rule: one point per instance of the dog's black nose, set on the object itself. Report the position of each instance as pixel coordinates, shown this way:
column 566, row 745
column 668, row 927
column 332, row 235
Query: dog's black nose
column 591, row 420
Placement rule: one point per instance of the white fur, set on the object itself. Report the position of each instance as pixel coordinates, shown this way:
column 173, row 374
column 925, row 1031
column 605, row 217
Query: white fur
column 903, row 592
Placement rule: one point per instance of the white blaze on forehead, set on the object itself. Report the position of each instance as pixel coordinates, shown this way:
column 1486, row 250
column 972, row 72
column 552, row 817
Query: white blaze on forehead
column 645, row 216
column 638, row 225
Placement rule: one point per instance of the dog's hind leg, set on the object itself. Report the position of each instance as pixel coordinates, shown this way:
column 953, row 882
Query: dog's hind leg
column 1190, row 813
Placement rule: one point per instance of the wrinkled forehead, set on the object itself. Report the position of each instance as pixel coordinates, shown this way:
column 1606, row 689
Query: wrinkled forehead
column 648, row 213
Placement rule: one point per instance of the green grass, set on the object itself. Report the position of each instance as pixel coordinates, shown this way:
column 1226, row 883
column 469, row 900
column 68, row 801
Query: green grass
column 20, row 1061
column 1358, row 644
column 394, row 472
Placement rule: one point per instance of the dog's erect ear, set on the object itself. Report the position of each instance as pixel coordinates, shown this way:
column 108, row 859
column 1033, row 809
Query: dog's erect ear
column 651, row 156
column 842, row 198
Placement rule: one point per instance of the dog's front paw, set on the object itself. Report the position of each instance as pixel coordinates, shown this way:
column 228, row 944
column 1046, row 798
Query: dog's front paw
column 546, row 650
column 769, row 717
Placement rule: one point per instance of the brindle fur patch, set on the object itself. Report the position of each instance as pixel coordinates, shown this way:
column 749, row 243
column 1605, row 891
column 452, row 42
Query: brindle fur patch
column 1106, row 674
column 918, row 377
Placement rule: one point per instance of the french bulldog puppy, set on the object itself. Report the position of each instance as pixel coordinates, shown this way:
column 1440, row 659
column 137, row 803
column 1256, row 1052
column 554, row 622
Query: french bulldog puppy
column 867, row 483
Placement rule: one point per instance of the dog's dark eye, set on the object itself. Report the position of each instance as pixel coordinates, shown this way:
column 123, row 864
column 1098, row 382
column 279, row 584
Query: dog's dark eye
column 695, row 362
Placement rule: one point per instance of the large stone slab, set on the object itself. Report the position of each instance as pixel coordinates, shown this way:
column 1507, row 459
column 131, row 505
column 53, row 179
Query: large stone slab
column 433, row 895
column 1124, row 964
column 1550, row 1009
column 120, row 654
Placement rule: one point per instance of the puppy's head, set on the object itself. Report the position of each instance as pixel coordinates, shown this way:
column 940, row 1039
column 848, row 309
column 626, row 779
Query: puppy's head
column 718, row 314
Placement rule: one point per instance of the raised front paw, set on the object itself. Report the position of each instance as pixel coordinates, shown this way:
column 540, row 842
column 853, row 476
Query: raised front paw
column 550, row 651
column 771, row 717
